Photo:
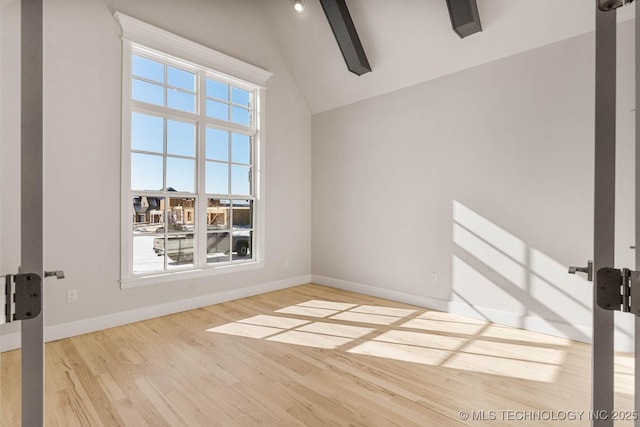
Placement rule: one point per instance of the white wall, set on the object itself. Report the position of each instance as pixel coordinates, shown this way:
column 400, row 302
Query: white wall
column 9, row 135
column 82, row 138
column 484, row 177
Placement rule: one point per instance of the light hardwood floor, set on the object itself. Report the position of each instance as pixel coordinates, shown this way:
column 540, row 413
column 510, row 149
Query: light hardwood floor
column 313, row 356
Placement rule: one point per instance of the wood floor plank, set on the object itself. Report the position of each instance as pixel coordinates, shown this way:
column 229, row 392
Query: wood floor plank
column 309, row 356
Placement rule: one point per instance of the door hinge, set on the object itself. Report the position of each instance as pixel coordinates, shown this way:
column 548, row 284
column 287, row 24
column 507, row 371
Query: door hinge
column 618, row 289
column 23, row 296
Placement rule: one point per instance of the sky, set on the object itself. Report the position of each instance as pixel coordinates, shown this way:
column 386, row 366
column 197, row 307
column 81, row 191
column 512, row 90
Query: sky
column 228, row 154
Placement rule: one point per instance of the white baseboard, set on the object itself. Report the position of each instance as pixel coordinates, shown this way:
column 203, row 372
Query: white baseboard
column 374, row 291
column 623, row 342
column 9, row 342
column 66, row 330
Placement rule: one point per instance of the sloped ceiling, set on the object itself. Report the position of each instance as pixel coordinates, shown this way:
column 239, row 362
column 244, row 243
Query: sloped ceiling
column 411, row 41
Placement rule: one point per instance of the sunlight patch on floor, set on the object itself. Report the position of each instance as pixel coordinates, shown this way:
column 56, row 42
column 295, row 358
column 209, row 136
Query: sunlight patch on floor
column 425, row 337
column 310, row 339
column 506, row 367
column 346, row 331
column 384, row 311
column 307, row 311
column 374, row 319
column 244, row 330
column 503, row 332
column 274, row 321
column 440, row 342
column 440, row 326
column 402, row 352
column 330, row 305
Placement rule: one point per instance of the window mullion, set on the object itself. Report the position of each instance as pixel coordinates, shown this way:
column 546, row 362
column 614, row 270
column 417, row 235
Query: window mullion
column 229, row 91
column 201, row 225
column 165, row 213
column 231, row 204
column 229, row 183
column 166, row 91
column 157, row 110
column 165, row 218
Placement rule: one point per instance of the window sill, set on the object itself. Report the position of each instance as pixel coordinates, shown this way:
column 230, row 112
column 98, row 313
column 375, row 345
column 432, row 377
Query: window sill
column 175, row 276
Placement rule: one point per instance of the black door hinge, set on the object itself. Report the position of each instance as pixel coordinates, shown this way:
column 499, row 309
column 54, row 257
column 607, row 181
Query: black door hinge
column 23, row 296
column 618, row 289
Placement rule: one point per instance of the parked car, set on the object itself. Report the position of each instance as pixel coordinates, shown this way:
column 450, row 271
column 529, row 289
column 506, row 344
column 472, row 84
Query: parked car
column 180, row 246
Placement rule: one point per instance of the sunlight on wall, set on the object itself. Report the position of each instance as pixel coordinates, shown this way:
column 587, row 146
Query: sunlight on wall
column 490, row 232
column 407, row 335
column 551, row 282
column 498, row 276
column 494, row 258
column 481, row 292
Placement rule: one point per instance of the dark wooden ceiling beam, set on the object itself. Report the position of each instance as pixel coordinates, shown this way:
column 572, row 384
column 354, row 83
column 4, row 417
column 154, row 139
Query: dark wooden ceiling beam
column 465, row 19
column 346, row 35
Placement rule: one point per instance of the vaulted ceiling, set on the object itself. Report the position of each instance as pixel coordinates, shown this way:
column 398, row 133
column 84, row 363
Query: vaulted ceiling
column 411, row 41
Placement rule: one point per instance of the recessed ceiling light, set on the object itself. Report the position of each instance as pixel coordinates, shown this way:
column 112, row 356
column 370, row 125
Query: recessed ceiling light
column 298, row 5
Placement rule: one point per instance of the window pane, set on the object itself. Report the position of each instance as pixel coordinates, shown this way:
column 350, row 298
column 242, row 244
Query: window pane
column 218, row 214
column 146, row 172
column 217, row 144
column 241, row 244
column 147, row 133
column 181, row 215
column 181, row 138
column 181, row 174
column 181, row 100
column 240, row 148
column 240, row 184
column 147, row 92
column 217, row 110
column 217, row 178
column 147, row 68
column 148, row 215
column 148, row 253
column 180, row 78
column 217, row 90
column 218, row 247
column 242, row 214
column 179, row 250
column 240, row 96
column 241, row 116
column 165, row 155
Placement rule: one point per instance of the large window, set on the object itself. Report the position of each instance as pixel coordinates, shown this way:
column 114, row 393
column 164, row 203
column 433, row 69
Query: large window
column 192, row 201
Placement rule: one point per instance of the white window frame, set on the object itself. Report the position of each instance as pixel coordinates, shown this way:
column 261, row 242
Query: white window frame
column 137, row 34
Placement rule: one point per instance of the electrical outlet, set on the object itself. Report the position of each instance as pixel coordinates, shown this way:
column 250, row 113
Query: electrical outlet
column 72, row 296
column 285, row 263
column 434, row 278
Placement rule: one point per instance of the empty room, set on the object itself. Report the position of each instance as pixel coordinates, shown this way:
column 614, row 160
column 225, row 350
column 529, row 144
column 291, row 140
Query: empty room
column 319, row 213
